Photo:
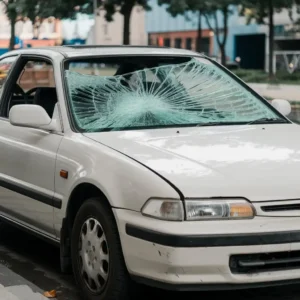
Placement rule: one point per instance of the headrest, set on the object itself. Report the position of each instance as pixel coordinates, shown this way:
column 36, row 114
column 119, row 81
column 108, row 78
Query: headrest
column 47, row 92
column 47, row 98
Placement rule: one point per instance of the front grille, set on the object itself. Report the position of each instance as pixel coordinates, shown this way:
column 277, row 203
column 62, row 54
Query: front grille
column 264, row 262
column 286, row 207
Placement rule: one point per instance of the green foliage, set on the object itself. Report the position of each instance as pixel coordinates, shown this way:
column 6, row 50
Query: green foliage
column 180, row 7
column 122, row 6
column 125, row 7
column 42, row 8
column 175, row 7
column 57, row 8
column 258, row 10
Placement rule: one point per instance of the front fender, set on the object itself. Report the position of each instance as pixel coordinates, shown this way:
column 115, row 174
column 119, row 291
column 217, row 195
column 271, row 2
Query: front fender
column 125, row 183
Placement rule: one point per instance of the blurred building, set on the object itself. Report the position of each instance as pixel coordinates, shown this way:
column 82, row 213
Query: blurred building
column 83, row 29
column 40, row 33
column 77, row 31
column 111, row 33
column 183, row 39
column 287, row 41
column 247, row 42
column 181, row 31
column 87, row 29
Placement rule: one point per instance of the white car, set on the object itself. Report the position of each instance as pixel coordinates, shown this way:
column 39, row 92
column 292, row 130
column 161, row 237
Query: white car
column 149, row 165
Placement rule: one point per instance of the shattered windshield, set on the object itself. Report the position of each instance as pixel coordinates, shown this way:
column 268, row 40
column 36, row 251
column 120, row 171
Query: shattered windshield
column 144, row 93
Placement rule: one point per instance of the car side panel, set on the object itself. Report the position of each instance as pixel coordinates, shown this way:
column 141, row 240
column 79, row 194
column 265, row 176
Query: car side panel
column 116, row 175
column 27, row 175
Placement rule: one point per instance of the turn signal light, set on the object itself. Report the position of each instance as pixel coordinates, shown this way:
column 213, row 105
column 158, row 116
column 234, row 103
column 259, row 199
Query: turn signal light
column 241, row 210
column 64, row 174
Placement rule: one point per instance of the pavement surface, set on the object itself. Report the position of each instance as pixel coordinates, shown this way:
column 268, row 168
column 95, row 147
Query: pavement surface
column 29, row 266
column 280, row 91
column 27, row 263
column 19, row 292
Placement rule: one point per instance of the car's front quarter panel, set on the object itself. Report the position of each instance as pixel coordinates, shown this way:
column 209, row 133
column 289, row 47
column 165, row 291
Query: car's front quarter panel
column 125, row 183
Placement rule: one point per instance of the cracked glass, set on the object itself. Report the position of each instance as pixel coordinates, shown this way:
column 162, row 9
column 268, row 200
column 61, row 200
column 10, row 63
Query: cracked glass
column 195, row 92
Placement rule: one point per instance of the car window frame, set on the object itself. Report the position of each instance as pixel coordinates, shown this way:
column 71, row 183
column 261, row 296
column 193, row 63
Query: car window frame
column 6, row 83
column 25, row 69
column 18, row 67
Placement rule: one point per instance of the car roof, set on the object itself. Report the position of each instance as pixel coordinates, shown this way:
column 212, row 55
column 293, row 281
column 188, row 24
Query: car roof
column 90, row 51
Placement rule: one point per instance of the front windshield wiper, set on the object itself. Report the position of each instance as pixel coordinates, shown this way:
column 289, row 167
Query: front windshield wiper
column 258, row 121
column 218, row 123
column 208, row 124
column 267, row 121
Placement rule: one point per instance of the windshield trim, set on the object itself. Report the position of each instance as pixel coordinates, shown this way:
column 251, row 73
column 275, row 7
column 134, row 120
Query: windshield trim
column 75, row 128
column 178, row 126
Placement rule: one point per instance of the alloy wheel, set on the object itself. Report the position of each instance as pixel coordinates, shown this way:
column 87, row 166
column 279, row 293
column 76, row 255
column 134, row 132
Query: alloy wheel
column 93, row 255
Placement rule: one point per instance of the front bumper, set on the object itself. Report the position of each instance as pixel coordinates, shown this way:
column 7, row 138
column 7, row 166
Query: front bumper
column 173, row 255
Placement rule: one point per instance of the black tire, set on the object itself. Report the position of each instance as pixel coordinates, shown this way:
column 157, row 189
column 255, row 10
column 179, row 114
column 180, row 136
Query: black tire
column 118, row 283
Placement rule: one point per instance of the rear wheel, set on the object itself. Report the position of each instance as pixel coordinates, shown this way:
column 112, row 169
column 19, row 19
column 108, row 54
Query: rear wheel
column 97, row 257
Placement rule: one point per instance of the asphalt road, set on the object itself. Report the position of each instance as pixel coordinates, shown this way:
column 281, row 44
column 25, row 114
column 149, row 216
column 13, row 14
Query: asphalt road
column 38, row 263
column 295, row 115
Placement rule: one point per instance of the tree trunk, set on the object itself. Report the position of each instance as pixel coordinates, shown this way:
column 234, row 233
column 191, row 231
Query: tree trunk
column 216, row 30
column 223, row 54
column 12, row 32
column 225, row 34
column 271, row 37
column 126, row 29
column 199, row 33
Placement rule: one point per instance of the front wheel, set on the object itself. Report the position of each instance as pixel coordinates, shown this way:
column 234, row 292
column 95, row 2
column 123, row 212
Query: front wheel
column 97, row 257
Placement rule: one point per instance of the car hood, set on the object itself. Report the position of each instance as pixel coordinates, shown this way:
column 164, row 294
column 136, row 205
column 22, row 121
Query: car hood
column 259, row 162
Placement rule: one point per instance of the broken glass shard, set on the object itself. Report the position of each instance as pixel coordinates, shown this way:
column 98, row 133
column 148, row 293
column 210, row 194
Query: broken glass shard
column 190, row 93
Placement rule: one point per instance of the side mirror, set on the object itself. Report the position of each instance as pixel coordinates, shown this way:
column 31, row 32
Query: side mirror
column 283, row 106
column 34, row 116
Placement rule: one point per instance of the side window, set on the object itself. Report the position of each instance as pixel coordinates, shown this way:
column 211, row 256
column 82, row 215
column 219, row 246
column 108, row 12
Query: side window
column 94, row 69
column 36, row 74
column 35, row 85
column 5, row 67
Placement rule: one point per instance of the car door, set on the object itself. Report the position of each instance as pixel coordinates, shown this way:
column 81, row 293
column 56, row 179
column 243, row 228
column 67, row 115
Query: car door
column 28, row 155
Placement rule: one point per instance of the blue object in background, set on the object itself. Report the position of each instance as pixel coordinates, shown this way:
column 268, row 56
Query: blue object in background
column 3, row 50
column 19, row 42
column 74, row 42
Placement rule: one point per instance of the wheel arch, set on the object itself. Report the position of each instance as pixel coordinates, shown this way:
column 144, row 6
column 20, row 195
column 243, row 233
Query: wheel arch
column 80, row 193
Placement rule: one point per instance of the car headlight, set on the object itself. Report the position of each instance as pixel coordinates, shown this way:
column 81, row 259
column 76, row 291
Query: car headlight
column 206, row 209
column 218, row 209
column 165, row 209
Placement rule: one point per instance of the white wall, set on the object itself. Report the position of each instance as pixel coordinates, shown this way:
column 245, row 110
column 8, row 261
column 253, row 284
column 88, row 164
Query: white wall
column 111, row 33
column 79, row 28
column 4, row 23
